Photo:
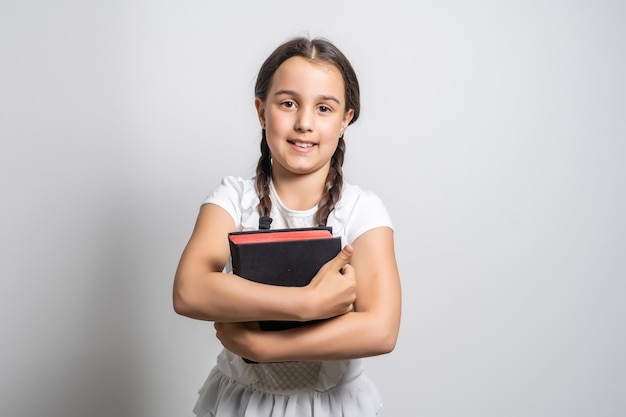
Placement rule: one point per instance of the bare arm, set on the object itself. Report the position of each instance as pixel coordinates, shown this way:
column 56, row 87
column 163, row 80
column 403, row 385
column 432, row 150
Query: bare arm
column 202, row 291
column 371, row 329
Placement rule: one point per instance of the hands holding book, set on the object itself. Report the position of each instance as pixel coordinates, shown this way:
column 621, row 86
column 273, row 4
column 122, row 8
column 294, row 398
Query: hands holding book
column 293, row 258
column 331, row 292
column 333, row 289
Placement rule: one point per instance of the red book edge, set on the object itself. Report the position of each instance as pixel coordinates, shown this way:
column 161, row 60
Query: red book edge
column 280, row 236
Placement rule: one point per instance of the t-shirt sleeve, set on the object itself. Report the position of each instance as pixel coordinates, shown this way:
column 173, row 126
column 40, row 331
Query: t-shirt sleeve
column 229, row 195
column 358, row 212
column 369, row 213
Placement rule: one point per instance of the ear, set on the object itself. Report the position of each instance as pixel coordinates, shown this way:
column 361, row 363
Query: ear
column 347, row 118
column 260, row 110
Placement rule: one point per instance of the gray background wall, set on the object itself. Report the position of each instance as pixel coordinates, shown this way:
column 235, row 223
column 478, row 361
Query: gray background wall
column 494, row 131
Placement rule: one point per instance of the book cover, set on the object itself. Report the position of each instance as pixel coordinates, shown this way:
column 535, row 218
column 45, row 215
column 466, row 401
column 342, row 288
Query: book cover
column 286, row 257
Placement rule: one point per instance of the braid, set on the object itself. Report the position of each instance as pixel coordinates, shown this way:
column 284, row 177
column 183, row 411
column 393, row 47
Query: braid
column 263, row 175
column 333, row 186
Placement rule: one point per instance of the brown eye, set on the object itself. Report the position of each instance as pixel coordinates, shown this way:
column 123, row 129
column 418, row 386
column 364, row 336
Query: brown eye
column 325, row 109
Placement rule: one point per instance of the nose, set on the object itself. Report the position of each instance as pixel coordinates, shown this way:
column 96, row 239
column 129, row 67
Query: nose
column 304, row 121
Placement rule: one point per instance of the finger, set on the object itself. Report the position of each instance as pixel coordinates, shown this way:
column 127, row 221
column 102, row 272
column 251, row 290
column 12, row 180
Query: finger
column 342, row 258
column 346, row 269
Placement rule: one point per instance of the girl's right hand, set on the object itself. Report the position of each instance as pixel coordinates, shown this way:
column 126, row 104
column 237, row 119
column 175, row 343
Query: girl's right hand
column 332, row 291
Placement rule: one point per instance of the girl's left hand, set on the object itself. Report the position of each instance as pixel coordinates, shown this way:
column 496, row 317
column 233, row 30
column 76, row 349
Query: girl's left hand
column 240, row 338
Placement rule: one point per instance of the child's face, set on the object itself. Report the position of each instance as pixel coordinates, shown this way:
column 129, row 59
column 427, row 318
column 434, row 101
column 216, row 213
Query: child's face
column 304, row 116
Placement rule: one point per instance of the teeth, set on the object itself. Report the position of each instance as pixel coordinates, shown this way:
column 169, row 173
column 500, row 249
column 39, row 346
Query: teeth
column 303, row 145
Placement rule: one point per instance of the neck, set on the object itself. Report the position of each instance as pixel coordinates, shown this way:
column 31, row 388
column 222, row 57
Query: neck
column 299, row 192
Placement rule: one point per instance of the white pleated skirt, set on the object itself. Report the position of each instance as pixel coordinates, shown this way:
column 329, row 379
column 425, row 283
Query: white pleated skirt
column 235, row 388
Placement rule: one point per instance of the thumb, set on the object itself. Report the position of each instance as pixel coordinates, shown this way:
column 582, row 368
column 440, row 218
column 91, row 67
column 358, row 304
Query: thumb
column 342, row 258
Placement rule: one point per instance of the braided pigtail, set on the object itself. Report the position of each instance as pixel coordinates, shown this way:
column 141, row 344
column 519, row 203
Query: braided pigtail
column 263, row 176
column 333, row 185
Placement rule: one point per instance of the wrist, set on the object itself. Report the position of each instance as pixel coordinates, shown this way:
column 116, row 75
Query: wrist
column 304, row 305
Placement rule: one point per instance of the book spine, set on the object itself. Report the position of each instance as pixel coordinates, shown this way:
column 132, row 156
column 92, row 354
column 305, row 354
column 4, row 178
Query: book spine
column 234, row 255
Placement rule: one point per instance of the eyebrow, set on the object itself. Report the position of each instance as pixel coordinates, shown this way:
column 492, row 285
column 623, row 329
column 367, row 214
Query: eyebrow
column 293, row 93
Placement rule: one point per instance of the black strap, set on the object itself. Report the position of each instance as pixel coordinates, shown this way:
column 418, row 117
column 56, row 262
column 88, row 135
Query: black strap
column 264, row 222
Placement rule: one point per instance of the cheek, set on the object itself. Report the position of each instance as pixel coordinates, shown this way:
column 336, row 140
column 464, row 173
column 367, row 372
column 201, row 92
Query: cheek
column 333, row 130
column 275, row 131
column 278, row 122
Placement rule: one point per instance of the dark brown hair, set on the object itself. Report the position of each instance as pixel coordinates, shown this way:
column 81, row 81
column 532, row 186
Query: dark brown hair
column 317, row 49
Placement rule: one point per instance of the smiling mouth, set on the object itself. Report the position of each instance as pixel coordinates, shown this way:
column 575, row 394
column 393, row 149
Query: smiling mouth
column 302, row 144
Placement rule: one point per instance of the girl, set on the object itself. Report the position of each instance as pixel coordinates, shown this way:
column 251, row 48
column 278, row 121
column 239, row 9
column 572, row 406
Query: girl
column 306, row 96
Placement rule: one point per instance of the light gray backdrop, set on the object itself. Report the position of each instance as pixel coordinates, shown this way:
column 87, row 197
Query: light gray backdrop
column 494, row 131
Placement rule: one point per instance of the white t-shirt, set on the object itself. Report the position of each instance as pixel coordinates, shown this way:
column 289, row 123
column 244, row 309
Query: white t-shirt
column 356, row 212
column 322, row 388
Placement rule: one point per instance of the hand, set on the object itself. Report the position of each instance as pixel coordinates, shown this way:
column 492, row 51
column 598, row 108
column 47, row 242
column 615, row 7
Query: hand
column 333, row 289
column 239, row 338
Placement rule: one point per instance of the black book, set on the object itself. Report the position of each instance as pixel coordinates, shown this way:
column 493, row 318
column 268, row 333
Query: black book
column 286, row 257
